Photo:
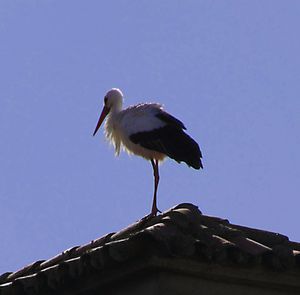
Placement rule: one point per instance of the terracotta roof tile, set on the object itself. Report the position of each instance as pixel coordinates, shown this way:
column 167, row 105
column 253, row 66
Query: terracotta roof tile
column 181, row 232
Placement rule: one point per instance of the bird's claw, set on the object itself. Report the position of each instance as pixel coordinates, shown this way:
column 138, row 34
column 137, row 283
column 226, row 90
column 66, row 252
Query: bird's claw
column 154, row 211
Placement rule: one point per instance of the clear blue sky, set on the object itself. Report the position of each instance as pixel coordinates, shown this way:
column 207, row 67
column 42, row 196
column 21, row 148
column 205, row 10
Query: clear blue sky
column 230, row 70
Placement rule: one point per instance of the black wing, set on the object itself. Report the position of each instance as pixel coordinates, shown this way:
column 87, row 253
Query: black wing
column 172, row 141
column 170, row 120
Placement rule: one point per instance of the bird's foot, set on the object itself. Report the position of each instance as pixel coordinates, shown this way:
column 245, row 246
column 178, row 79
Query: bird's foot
column 152, row 214
column 154, row 211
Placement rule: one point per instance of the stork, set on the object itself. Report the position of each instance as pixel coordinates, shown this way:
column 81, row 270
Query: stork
column 147, row 130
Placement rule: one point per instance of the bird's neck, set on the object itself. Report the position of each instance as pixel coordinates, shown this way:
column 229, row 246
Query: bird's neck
column 116, row 109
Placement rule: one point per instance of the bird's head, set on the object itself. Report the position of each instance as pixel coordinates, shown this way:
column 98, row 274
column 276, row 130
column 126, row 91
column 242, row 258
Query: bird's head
column 113, row 101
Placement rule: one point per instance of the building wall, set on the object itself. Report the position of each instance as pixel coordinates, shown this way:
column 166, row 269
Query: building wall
column 168, row 283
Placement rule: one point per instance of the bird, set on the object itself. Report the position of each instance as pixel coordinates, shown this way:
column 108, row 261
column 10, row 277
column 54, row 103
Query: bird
column 147, row 130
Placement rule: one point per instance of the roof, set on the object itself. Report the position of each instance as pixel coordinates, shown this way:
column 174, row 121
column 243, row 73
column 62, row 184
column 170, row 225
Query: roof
column 182, row 232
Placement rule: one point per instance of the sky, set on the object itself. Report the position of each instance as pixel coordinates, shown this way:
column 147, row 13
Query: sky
column 230, row 70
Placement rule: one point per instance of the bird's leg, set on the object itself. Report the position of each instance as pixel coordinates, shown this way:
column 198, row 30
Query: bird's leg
column 154, row 209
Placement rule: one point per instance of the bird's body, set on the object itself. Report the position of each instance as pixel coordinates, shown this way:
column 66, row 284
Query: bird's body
column 148, row 131
column 121, row 126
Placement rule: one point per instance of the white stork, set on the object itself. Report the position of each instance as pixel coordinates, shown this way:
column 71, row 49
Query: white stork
column 148, row 131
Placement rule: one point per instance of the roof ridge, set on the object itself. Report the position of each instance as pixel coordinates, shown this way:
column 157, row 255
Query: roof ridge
column 182, row 231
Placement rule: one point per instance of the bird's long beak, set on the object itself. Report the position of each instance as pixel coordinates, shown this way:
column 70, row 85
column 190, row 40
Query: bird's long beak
column 104, row 113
